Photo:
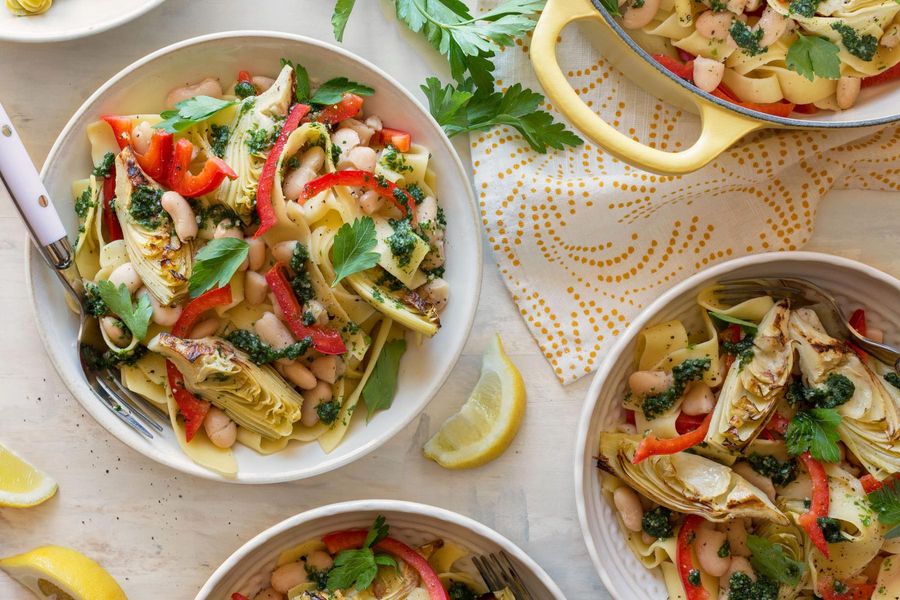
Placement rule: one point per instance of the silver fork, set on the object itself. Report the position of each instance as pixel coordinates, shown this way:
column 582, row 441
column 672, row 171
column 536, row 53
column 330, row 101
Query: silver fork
column 498, row 573
column 32, row 200
column 805, row 293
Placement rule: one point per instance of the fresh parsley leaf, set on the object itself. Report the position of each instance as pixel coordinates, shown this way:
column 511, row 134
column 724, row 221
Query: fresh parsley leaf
column 352, row 249
column 358, row 568
column 612, row 7
column 886, row 503
column 378, row 393
column 463, row 109
column 770, row 560
column 729, row 319
column 813, row 56
column 342, row 9
column 136, row 317
column 216, row 263
column 333, row 90
column 105, row 166
column 190, row 112
column 301, row 80
column 814, row 430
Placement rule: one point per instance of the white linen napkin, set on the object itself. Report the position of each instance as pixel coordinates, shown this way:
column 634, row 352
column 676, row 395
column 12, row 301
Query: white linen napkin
column 584, row 241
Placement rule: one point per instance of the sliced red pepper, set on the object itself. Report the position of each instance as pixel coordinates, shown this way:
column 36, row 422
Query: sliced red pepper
column 806, row 109
column 854, row 591
column 685, row 55
column 732, row 334
column 264, row 208
column 386, row 189
column 776, row 109
column 155, row 161
column 776, row 427
column 236, row 596
column 630, row 418
column 684, row 558
column 686, row 423
column 399, row 139
column 355, row 538
column 870, row 484
column 324, row 339
column 208, row 179
column 348, row 107
column 192, row 408
column 653, row 446
column 819, row 506
column 110, row 218
column 244, row 76
column 883, row 77
column 683, row 70
column 858, row 322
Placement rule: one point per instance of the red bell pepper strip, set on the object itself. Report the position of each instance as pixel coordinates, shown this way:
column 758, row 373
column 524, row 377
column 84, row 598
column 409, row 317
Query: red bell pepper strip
column 629, row 417
column 355, row 538
column 685, row 55
column 854, row 591
column 398, row 138
column 820, row 503
column 683, row 70
column 348, row 107
column 870, row 484
column 883, row 77
column 264, row 208
column 113, row 227
column 806, row 109
column 236, row 596
column 208, row 179
column 732, row 334
column 155, row 161
column 386, row 189
column 686, row 423
column 776, row 109
column 653, row 446
column 684, row 558
column 325, row 340
column 193, row 409
column 776, row 427
column 244, row 76
column 858, row 322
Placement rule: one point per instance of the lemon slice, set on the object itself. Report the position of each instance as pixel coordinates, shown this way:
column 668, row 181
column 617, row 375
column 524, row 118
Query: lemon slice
column 488, row 421
column 21, row 484
column 53, row 572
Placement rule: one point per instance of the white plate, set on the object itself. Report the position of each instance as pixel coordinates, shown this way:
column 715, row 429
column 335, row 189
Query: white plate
column 142, row 87
column 854, row 284
column 408, row 521
column 70, row 19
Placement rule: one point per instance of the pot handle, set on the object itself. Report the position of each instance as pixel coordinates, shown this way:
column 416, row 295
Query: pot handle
column 720, row 127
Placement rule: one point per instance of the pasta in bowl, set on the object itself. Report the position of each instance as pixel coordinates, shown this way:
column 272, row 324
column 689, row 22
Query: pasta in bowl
column 743, row 447
column 257, row 250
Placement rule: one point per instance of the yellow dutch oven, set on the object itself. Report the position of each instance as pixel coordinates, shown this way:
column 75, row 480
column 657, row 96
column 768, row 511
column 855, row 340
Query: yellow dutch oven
column 723, row 123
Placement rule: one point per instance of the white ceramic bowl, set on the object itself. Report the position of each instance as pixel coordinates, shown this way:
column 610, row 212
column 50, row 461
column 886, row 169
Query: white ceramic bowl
column 71, row 19
column 142, row 87
column 408, row 520
column 854, row 285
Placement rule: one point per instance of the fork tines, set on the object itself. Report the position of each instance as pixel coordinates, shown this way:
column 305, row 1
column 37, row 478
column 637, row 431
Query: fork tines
column 498, row 572
column 741, row 289
column 123, row 403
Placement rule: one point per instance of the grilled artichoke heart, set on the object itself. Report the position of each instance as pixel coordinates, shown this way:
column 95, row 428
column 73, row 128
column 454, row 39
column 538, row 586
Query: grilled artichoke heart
column 686, row 483
column 159, row 257
column 258, row 117
column 870, row 421
column 752, row 389
column 255, row 397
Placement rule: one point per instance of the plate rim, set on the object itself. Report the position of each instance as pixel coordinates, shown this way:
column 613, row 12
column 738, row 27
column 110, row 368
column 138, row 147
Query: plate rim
column 87, row 31
column 405, row 506
column 85, row 397
column 582, row 459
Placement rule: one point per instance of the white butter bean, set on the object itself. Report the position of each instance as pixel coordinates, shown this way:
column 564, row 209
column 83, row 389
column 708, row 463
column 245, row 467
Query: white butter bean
column 283, row 251
column 698, row 399
column 311, row 400
column 298, row 374
column 257, row 253
column 708, row 73
column 287, row 576
column 759, row 480
column 847, row 91
column 319, row 560
column 436, row 291
column 116, row 334
column 220, row 429
column 714, row 25
column 327, row 368
column 205, row 328
column 162, row 315
column 363, row 130
column 371, row 202
column 635, row 18
column 647, row 383
column 272, row 331
column 709, row 542
column 207, row 87
column 182, row 215
column 629, row 506
column 126, row 273
column 140, row 137
column 261, row 83
column 255, row 288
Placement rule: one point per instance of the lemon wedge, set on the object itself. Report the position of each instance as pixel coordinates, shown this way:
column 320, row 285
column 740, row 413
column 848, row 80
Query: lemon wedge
column 489, row 420
column 54, row 572
column 21, row 484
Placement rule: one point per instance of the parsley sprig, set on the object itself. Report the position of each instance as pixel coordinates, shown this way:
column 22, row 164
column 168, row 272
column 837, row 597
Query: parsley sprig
column 190, row 112
column 813, row 56
column 326, row 94
column 814, row 430
column 118, row 299
column 469, row 43
column 358, row 568
column 886, row 504
column 770, row 560
column 216, row 263
column 352, row 248
column 378, row 393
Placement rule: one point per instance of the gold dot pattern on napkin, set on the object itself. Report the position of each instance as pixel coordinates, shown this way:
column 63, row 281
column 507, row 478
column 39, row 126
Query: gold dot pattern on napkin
column 584, row 241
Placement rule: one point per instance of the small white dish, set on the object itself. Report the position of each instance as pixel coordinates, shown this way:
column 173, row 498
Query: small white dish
column 141, row 88
column 408, row 521
column 853, row 284
column 71, row 19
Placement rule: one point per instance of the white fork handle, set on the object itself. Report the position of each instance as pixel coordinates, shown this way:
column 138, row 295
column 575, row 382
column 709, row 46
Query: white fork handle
column 26, row 188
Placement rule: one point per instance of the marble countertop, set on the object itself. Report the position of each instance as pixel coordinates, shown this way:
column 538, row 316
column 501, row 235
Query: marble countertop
column 158, row 531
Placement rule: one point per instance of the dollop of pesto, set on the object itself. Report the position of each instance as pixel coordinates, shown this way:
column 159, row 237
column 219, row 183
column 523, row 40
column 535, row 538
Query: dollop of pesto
column 402, row 242
column 301, row 283
column 244, row 89
column 741, row 587
column 146, row 208
column 84, row 203
column 658, row 523
column 836, row 390
column 861, row 46
column 684, row 373
column 781, row 473
column 746, row 38
column 218, row 139
column 262, row 353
